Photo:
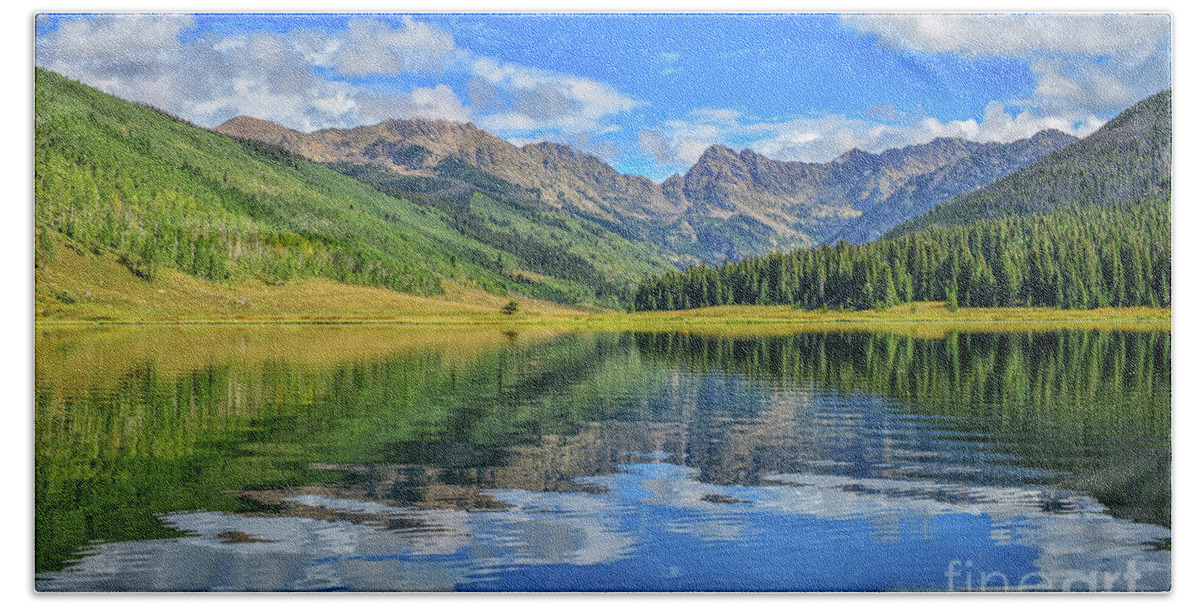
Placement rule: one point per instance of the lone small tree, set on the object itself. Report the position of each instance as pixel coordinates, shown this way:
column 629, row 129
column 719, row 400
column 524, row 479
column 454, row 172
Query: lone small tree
column 509, row 308
column 951, row 298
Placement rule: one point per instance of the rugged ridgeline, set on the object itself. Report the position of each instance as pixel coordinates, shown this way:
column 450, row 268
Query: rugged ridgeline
column 985, row 163
column 122, row 181
column 855, row 197
column 1087, row 226
column 1129, row 158
column 547, row 176
column 727, row 206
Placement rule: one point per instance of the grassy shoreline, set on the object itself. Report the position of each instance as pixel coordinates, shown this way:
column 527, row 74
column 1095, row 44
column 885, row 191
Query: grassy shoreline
column 80, row 290
column 923, row 317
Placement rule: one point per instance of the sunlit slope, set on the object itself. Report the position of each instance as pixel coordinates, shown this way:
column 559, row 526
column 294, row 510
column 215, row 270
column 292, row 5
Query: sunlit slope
column 157, row 193
column 98, row 288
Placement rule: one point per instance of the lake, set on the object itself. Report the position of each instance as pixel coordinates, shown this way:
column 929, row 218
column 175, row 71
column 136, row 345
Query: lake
column 384, row 458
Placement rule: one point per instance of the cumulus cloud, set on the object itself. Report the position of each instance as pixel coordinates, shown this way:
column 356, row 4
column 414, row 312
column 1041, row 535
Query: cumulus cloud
column 370, row 47
column 438, row 102
column 999, row 125
column 124, row 40
column 544, row 100
column 1018, row 35
column 482, row 94
column 1084, row 63
column 654, row 143
column 212, row 78
column 209, row 78
column 111, row 51
column 1085, row 66
column 681, row 142
column 822, row 138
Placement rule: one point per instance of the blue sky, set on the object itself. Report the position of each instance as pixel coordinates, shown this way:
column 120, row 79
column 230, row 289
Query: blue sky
column 647, row 93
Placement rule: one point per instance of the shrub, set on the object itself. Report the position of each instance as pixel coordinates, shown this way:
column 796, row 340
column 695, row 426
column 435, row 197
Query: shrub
column 66, row 296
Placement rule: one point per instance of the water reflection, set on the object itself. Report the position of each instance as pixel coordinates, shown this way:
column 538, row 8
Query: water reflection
column 652, row 462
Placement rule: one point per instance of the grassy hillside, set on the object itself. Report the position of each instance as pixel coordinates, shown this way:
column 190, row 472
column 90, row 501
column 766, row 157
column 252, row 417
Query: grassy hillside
column 1129, row 158
column 154, row 192
column 88, row 287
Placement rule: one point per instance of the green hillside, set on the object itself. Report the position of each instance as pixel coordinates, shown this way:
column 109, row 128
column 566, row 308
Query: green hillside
column 119, row 179
column 1128, row 158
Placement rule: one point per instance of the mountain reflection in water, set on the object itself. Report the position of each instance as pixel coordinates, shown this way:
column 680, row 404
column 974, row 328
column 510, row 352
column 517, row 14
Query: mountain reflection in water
column 602, row 462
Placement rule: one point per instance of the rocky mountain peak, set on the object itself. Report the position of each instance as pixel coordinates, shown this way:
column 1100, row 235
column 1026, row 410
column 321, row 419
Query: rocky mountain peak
column 1051, row 137
column 718, row 163
column 716, row 153
column 856, row 157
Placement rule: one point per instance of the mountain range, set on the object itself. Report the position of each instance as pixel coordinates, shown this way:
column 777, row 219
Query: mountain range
column 417, row 205
column 1086, row 226
column 728, row 205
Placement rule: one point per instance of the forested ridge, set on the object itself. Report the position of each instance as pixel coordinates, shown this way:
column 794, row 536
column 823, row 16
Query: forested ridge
column 1076, row 257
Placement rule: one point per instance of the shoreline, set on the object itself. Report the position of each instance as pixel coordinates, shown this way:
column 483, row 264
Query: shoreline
column 928, row 314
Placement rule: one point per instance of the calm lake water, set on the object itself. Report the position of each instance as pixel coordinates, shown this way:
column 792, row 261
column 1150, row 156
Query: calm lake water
column 389, row 459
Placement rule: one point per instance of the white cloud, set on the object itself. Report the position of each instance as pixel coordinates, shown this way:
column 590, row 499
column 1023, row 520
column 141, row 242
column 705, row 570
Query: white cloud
column 122, row 39
column 211, row 78
column 1018, row 35
column 999, row 125
column 1084, row 63
column 654, row 143
column 680, row 143
column 544, row 100
column 438, row 102
column 110, row 51
column 373, row 47
column 1085, row 66
column 823, row 138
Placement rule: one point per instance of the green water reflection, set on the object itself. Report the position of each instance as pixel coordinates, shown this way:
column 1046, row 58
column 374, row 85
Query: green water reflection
column 133, row 424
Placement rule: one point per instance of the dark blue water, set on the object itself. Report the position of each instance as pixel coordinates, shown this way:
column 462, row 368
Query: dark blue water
column 590, row 463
